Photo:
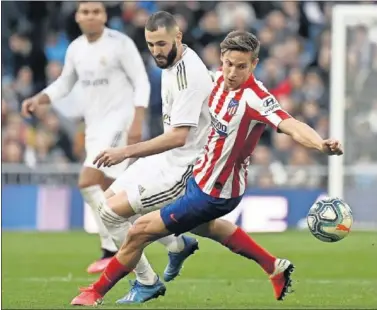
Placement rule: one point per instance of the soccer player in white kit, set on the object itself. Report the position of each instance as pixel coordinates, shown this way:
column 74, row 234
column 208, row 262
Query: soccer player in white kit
column 165, row 163
column 113, row 78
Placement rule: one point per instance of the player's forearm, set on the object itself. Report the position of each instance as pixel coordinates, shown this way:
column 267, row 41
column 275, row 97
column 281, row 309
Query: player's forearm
column 302, row 133
column 160, row 144
column 58, row 89
column 136, row 129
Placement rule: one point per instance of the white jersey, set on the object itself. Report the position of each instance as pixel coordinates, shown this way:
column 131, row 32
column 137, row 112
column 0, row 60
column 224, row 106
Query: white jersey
column 185, row 90
column 238, row 119
column 111, row 75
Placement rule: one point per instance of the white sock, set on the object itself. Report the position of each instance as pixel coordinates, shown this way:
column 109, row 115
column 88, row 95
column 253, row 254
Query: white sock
column 144, row 272
column 172, row 243
column 117, row 227
column 90, row 195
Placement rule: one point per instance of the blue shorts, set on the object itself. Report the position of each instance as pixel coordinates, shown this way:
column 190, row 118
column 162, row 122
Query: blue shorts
column 195, row 208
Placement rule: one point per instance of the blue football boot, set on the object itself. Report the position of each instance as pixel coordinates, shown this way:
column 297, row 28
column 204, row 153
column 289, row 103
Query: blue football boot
column 176, row 259
column 140, row 293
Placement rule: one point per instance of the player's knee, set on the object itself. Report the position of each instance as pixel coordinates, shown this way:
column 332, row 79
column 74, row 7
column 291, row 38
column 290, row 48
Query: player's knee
column 109, row 217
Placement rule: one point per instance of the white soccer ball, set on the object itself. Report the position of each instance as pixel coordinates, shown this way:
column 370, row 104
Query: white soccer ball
column 330, row 219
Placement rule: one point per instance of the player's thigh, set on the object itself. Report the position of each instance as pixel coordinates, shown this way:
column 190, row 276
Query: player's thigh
column 195, row 208
column 149, row 185
column 95, row 144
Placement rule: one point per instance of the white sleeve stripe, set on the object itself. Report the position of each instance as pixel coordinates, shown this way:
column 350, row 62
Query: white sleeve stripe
column 274, row 119
column 191, row 124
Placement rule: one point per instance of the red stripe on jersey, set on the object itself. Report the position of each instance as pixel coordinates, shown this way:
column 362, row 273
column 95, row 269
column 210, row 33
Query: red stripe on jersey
column 255, row 115
column 260, row 92
column 216, row 155
column 282, row 114
column 236, row 180
column 221, row 102
column 215, row 90
column 206, row 148
column 248, row 148
column 217, row 148
column 227, row 117
column 236, row 150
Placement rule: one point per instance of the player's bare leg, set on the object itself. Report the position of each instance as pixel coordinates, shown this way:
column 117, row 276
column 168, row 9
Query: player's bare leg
column 236, row 240
column 90, row 182
column 119, row 227
column 145, row 230
column 116, row 212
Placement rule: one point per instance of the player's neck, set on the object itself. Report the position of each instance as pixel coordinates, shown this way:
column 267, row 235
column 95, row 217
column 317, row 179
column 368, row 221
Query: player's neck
column 242, row 85
column 179, row 54
column 93, row 37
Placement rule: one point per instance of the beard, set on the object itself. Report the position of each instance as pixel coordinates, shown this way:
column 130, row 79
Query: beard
column 169, row 59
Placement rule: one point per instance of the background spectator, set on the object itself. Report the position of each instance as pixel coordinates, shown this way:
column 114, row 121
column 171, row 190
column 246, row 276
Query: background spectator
column 294, row 64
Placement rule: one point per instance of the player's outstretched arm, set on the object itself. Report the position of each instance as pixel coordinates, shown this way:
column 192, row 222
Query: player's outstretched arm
column 167, row 141
column 308, row 137
column 57, row 90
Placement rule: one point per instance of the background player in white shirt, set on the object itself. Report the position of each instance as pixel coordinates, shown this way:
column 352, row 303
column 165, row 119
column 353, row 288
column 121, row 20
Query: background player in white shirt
column 116, row 90
column 240, row 108
column 165, row 163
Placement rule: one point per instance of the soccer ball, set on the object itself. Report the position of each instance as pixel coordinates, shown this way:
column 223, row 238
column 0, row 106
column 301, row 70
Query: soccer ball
column 330, row 219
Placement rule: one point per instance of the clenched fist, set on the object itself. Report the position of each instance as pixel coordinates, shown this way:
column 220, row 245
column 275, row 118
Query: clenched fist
column 332, row 147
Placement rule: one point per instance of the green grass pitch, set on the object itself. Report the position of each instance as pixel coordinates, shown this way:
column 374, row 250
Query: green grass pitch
column 44, row 270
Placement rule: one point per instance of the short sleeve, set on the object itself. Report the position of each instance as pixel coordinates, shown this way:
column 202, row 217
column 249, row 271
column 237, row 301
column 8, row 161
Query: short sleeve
column 187, row 107
column 191, row 92
column 267, row 110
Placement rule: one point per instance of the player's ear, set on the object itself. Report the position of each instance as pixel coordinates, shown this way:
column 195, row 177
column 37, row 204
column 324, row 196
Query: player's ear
column 178, row 37
column 254, row 63
column 77, row 16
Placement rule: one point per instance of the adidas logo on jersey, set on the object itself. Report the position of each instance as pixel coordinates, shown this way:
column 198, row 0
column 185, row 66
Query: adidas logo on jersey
column 141, row 190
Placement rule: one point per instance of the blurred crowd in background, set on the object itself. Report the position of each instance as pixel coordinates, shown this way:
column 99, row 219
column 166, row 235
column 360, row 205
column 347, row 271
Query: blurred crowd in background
column 295, row 60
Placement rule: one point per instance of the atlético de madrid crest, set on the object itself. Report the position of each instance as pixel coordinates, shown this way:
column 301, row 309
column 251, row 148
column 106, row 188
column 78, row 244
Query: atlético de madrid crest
column 232, row 107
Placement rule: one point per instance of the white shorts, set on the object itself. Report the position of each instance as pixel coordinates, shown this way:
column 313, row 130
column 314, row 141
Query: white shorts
column 151, row 184
column 104, row 140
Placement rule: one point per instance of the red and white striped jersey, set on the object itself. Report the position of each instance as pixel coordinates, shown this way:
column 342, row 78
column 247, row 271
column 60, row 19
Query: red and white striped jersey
column 238, row 119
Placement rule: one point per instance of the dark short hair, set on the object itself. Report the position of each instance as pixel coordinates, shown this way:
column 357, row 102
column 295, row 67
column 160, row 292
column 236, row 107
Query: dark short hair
column 161, row 19
column 241, row 41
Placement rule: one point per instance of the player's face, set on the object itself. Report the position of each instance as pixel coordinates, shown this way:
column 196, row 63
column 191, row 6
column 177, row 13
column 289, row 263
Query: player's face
column 91, row 17
column 237, row 67
column 163, row 46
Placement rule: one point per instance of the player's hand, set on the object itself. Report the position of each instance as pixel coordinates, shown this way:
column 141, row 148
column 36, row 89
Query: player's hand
column 29, row 106
column 332, row 147
column 110, row 157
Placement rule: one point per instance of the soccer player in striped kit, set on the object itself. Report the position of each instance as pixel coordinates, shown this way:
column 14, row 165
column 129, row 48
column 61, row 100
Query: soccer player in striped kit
column 240, row 109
